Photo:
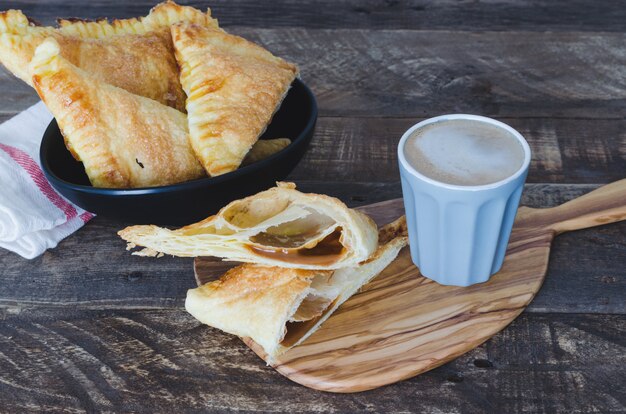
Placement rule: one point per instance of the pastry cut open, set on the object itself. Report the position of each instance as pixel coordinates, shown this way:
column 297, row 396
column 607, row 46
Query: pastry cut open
column 277, row 227
column 233, row 89
column 124, row 140
column 278, row 308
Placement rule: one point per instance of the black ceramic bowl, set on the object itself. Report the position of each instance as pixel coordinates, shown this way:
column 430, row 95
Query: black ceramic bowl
column 190, row 201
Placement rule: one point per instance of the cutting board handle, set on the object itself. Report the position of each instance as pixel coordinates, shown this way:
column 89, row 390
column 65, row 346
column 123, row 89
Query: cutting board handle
column 603, row 205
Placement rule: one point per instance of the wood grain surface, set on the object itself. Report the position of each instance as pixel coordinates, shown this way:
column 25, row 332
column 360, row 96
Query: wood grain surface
column 402, row 324
column 87, row 327
column 582, row 279
column 415, row 73
column 159, row 361
column 538, row 15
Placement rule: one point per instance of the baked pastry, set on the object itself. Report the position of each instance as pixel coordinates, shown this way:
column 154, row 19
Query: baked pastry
column 263, row 148
column 142, row 64
column 233, row 88
column 160, row 18
column 124, row 140
column 134, row 54
column 16, row 22
column 279, row 308
column 277, row 227
column 18, row 39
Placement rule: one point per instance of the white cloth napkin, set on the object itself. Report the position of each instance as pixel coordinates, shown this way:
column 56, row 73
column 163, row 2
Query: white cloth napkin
column 33, row 216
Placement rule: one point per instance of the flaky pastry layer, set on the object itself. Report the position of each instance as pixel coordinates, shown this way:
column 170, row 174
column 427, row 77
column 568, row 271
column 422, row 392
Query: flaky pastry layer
column 277, row 227
column 233, row 89
column 124, row 140
column 279, row 308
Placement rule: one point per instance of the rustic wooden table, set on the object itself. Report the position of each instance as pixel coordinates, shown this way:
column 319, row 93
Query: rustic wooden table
column 87, row 327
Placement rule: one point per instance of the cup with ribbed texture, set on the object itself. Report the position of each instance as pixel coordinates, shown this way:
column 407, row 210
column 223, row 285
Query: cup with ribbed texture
column 459, row 233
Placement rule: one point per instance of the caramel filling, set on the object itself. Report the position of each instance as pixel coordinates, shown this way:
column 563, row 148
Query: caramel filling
column 328, row 251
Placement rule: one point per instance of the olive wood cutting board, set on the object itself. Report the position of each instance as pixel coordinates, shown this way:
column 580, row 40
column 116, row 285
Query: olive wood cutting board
column 402, row 324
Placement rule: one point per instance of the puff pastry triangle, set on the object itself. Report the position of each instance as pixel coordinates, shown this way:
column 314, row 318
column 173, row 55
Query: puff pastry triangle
column 124, row 140
column 233, row 89
column 143, row 64
column 277, row 227
column 279, row 308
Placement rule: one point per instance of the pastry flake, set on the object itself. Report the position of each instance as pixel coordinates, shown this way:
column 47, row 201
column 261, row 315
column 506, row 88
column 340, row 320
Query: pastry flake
column 233, row 89
column 277, row 227
column 124, row 140
column 279, row 308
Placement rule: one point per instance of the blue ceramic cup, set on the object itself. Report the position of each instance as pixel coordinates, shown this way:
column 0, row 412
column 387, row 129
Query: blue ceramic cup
column 459, row 233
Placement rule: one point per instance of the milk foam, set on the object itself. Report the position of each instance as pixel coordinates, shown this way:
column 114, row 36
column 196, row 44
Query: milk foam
column 464, row 152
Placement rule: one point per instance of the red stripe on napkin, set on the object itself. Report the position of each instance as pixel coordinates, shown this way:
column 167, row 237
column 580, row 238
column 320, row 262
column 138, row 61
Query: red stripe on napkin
column 86, row 216
column 30, row 166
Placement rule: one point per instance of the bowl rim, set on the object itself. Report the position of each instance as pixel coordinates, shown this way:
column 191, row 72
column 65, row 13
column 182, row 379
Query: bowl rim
column 187, row 185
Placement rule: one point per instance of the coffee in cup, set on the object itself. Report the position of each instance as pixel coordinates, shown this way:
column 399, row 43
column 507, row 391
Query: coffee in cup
column 462, row 177
column 464, row 152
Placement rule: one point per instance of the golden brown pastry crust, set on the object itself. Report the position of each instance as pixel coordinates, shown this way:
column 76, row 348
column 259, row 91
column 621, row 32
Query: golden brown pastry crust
column 16, row 22
column 12, row 21
column 242, row 231
column 259, row 302
column 134, row 54
column 263, row 148
column 18, row 40
column 16, row 51
column 123, row 140
column 233, row 89
column 160, row 18
column 143, row 64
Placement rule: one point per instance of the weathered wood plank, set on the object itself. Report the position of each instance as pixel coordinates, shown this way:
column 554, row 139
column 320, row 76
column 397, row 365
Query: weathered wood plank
column 423, row 73
column 564, row 150
column 159, row 361
column 400, row 324
column 580, row 15
column 64, row 360
column 585, row 274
